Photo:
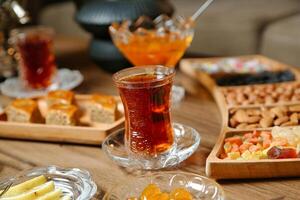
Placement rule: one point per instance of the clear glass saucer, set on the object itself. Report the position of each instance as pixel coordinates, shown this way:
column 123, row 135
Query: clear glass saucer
column 186, row 142
column 200, row 187
column 65, row 79
column 73, row 182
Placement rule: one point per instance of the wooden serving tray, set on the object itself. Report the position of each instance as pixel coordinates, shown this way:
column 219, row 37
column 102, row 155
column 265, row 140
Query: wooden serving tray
column 234, row 169
column 94, row 134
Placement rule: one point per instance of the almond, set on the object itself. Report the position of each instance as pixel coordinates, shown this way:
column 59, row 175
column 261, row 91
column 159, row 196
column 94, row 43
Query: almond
column 253, row 112
column 233, row 123
column 279, row 111
column 295, row 108
column 253, row 119
column 241, row 116
column 242, row 126
column 281, row 120
column 266, row 122
column 294, row 118
column 252, row 126
column 268, row 114
column 289, row 123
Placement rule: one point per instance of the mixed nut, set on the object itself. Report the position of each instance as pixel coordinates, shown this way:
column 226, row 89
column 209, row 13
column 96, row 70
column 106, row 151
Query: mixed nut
column 262, row 94
column 264, row 117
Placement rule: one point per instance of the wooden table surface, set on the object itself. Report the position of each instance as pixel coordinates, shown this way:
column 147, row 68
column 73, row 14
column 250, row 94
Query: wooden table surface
column 197, row 110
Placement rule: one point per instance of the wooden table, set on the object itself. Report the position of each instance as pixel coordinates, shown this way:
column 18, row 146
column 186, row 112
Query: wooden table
column 197, row 110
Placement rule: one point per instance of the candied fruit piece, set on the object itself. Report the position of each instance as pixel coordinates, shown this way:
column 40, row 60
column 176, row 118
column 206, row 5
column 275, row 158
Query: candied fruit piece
column 274, row 152
column 244, row 147
column 234, row 155
column 235, row 148
column 234, row 140
column 227, row 147
column 161, row 196
column 180, row 194
column 256, row 133
column 279, row 141
column 247, row 136
column 150, row 191
column 254, row 148
column 277, row 153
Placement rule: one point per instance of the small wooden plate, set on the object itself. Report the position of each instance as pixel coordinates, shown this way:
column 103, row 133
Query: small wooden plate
column 234, row 169
column 90, row 133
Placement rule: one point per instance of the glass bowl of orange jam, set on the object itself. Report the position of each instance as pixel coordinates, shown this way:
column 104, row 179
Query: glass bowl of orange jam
column 171, row 185
column 161, row 41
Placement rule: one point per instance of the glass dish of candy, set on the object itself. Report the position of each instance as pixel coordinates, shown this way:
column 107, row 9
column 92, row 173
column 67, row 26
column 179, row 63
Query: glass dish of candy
column 165, row 186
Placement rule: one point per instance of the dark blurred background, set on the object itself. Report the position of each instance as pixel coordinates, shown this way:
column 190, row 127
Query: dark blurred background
column 227, row 28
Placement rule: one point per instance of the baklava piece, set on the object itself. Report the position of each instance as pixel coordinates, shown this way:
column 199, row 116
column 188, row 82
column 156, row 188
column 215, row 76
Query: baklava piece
column 23, row 110
column 60, row 97
column 62, row 114
column 102, row 109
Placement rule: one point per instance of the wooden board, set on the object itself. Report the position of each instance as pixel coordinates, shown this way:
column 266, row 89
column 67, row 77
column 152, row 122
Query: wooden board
column 92, row 135
column 233, row 169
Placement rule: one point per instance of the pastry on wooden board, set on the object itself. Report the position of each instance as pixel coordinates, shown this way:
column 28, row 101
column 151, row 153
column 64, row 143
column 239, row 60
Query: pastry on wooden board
column 102, row 109
column 62, row 114
column 23, row 110
column 60, row 97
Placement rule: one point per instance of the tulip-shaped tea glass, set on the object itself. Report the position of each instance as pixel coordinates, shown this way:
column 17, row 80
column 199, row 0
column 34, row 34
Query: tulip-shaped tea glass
column 36, row 57
column 150, row 140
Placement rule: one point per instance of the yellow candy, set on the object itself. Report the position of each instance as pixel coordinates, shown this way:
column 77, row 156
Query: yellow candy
column 162, row 196
column 150, row 191
column 234, row 155
column 180, row 194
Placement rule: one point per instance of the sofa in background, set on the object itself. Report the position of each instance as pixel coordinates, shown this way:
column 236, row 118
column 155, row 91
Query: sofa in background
column 227, row 28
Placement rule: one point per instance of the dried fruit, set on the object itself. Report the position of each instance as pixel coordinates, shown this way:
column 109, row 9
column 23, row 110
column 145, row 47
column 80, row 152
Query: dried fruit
column 180, row 194
column 278, row 153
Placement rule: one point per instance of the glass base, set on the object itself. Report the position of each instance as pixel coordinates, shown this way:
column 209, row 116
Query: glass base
column 186, row 142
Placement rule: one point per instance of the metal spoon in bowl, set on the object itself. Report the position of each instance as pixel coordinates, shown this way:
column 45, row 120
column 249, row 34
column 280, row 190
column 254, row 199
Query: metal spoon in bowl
column 201, row 9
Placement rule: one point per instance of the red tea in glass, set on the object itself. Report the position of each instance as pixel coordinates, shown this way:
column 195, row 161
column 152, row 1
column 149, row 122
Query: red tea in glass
column 145, row 93
column 37, row 62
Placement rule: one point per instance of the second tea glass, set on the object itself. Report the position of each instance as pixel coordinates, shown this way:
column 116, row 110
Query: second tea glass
column 34, row 47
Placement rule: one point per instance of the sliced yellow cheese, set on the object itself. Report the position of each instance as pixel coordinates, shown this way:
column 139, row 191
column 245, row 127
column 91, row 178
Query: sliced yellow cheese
column 54, row 195
column 25, row 186
column 33, row 193
column 65, row 198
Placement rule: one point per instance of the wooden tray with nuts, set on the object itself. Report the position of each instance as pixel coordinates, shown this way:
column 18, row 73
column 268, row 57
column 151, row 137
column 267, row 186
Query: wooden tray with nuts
column 259, row 100
column 62, row 116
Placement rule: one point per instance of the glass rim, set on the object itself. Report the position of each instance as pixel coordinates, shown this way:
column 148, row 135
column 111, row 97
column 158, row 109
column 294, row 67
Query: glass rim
column 30, row 29
column 167, row 76
column 115, row 26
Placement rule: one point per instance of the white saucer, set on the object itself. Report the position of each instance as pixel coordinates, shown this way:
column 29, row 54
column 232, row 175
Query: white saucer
column 65, row 79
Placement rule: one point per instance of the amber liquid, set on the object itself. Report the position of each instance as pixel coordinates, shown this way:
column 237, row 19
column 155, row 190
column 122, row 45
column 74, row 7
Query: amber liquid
column 148, row 126
column 37, row 62
column 154, row 50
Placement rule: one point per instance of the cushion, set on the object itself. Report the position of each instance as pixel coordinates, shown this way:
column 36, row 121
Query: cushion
column 281, row 40
column 233, row 27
